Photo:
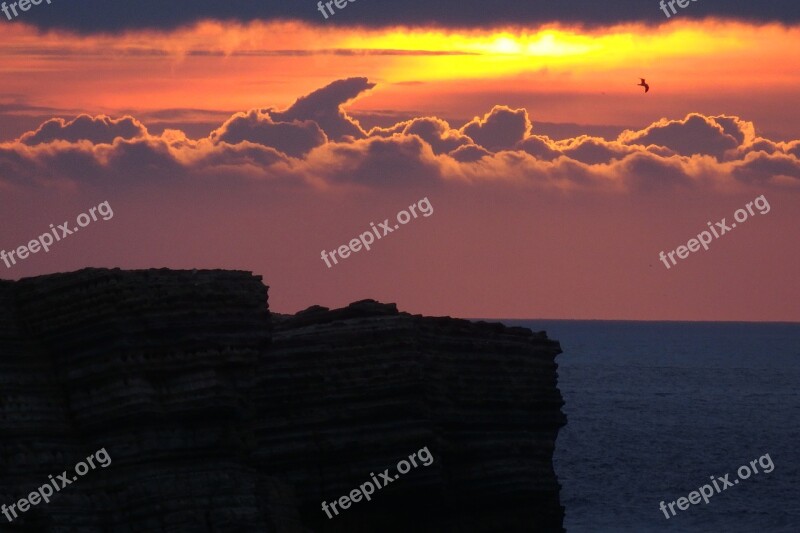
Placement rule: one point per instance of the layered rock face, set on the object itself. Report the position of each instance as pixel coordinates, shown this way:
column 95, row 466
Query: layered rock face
column 221, row 417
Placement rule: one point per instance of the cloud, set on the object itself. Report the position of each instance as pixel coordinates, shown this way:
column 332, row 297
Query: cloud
column 741, row 130
column 499, row 129
column 394, row 161
column 792, row 148
column 292, row 147
column 646, row 172
column 324, row 106
column 469, row 153
column 98, row 16
column 434, row 131
column 225, row 157
column 593, row 150
column 696, row 134
column 540, row 147
column 99, row 129
column 760, row 167
column 293, row 138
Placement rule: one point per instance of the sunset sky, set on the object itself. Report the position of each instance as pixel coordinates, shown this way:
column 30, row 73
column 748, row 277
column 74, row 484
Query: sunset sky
column 253, row 135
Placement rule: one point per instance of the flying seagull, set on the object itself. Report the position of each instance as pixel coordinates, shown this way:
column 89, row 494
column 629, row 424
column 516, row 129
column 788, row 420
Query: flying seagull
column 643, row 84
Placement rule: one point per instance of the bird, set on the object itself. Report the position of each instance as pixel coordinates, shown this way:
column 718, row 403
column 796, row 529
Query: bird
column 643, row 84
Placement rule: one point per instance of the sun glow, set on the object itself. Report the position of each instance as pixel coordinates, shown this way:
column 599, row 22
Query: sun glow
column 240, row 63
column 452, row 54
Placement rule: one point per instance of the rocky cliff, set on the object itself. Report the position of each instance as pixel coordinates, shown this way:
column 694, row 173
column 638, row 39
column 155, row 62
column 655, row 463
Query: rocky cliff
column 219, row 416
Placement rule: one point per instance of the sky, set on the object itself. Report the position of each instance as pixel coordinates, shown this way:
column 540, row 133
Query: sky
column 254, row 135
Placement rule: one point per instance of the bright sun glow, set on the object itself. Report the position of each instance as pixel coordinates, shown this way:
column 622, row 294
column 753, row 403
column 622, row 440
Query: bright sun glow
column 477, row 55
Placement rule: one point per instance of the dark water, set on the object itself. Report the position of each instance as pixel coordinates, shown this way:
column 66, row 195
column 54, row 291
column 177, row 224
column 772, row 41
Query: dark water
column 656, row 408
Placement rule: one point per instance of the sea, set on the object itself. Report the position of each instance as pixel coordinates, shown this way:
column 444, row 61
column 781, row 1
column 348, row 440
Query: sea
column 656, row 409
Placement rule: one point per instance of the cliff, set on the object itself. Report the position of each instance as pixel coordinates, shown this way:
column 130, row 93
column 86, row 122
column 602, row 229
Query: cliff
column 219, row 416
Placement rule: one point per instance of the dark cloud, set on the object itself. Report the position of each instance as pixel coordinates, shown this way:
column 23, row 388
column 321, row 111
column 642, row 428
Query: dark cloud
column 760, row 145
column 469, row 154
column 388, row 131
column 15, row 166
column 142, row 160
column 293, row 138
column 100, row 129
column 501, row 128
column 434, row 131
column 244, row 154
column 394, row 161
column 324, row 106
column 646, row 172
column 104, row 16
column 695, row 134
column 793, row 148
column 594, row 150
column 737, row 128
column 539, row 147
column 761, row 167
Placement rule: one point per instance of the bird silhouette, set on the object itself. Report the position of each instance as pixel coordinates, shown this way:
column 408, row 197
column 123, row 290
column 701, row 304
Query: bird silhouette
column 643, row 84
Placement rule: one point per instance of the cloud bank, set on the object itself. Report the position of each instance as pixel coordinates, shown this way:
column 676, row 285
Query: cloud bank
column 315, row 143
column 97, row 16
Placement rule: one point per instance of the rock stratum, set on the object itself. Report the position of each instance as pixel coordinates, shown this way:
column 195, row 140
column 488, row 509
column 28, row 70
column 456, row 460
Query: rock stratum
column 220, row 416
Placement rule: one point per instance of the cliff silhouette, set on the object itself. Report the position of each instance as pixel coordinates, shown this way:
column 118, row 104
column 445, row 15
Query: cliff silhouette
column 221, row 416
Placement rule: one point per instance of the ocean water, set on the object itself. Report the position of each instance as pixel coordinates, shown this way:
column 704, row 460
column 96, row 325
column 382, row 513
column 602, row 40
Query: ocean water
column 656, row 408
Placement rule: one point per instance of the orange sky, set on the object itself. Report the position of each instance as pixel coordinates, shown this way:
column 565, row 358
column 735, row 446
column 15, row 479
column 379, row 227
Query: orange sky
column 533, row 229
column 692, row 66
